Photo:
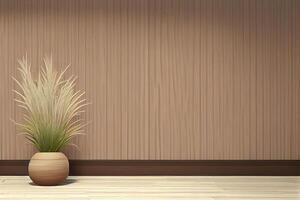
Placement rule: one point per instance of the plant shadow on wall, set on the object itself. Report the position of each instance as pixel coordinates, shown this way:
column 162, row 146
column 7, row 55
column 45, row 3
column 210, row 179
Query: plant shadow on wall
column 52, row 118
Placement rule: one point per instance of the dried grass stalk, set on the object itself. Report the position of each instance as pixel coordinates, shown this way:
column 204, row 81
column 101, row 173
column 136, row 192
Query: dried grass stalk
column 52, row 107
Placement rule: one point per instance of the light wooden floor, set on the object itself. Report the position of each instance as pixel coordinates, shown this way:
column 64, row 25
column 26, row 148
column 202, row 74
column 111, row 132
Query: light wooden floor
column 205, row 188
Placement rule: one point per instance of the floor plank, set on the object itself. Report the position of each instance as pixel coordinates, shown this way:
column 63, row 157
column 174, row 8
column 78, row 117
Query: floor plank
column 154, row 187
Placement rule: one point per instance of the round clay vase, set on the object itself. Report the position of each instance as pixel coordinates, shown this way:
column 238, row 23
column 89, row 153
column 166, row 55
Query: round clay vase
column 48, row 168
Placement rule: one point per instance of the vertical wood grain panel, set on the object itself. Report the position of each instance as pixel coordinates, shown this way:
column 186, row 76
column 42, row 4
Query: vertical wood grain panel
column 167, row 79
column 295, row 79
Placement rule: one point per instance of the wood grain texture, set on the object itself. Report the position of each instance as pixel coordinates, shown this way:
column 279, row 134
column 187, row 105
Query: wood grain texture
column 167, row 79
column 154, row 188
column 48, row 168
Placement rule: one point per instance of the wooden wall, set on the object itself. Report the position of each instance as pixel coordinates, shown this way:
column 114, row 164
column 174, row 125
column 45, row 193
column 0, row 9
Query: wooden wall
column 167, row 79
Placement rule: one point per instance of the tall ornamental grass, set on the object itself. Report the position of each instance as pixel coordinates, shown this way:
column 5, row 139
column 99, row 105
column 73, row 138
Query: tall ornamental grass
column 52, row 107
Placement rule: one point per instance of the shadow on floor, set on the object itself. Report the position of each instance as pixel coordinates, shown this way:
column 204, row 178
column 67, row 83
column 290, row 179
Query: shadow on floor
column 67, row 182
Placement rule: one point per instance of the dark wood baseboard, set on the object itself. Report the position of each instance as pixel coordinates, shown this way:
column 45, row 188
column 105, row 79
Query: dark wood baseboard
column 167, row 168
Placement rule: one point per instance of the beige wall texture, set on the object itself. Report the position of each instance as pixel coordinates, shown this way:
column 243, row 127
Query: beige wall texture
column 167, row 79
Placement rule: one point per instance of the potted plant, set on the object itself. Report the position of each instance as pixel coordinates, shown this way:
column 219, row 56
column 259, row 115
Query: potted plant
column 51, row 119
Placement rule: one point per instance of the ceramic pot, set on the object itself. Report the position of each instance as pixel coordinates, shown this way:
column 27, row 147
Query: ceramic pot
column 48, row 168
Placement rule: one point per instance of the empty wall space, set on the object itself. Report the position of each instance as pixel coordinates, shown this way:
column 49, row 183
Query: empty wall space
column 166, row 79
